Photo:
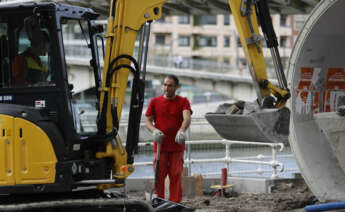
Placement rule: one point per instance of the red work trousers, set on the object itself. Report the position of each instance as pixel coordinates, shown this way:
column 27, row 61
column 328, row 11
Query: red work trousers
column 171, row 164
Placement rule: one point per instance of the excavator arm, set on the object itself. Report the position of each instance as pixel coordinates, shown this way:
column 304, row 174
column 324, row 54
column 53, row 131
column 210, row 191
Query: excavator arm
column 126, row 19
column 246, row 14
column 266, row 119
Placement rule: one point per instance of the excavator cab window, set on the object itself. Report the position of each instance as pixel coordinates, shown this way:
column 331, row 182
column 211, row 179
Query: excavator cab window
column 27, row 62
column 34, row 59
column 76, row 42
column 33, row 74
column 5, row 69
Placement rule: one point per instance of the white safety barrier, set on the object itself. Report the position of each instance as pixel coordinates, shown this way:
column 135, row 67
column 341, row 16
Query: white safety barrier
column 227, row 159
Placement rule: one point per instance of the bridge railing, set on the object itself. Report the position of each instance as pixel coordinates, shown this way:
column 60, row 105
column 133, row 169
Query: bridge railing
column 194, row 64
column 77, row 49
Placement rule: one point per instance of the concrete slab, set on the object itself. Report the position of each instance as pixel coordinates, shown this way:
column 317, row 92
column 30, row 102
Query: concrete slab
column 241, row 184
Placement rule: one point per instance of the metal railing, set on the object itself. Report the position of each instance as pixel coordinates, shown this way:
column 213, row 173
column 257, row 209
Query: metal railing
column 78, row 50
column 226, row 147
column 275, row 165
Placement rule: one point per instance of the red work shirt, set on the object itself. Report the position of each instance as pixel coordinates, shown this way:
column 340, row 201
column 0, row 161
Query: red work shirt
column 168, row 117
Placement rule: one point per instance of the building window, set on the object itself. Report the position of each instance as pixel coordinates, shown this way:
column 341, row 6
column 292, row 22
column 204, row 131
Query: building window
column 264, row 43
column 207, row 41
column 299, row 21
column 283, row 20
column 226, row 41
column 160, row 40
column 183, row 20
column 208, row 20
column 238, row 41
column 161, row 20
column 183, row 40
column 226, row 20
column 283, row 41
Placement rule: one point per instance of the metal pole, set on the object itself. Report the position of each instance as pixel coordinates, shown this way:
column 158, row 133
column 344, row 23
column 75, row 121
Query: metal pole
column 274, row 162
column 279, row 68
column 141, row 45
column 227, row 157
column 146, row 46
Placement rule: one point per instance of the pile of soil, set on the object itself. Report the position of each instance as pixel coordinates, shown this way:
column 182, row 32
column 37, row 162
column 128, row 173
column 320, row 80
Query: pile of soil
column 285, row 196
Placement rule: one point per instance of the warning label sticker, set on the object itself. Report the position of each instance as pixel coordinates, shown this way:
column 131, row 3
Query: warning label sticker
column 307, row 97
column 335, row 87
column 40, row 103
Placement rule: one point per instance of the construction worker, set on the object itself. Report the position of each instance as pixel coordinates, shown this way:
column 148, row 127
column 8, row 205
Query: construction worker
column 27, row 67
column 168, row 117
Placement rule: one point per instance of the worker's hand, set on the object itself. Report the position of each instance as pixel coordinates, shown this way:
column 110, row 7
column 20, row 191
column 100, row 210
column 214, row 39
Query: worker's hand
column 180, row 137
column 157, row 135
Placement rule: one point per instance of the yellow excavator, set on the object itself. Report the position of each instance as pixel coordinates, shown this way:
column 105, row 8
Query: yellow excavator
column 47, row 162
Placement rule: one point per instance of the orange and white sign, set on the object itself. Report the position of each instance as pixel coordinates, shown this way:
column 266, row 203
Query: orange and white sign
column 335, row 87
column 307, row 97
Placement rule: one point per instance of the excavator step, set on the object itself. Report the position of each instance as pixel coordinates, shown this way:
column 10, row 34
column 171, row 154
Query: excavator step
column 266, row 125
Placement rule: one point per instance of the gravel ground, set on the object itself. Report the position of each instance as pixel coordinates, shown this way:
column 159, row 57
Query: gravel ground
column 290, row 197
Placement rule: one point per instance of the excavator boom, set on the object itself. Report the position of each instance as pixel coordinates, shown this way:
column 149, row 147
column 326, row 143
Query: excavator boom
column 266, row 119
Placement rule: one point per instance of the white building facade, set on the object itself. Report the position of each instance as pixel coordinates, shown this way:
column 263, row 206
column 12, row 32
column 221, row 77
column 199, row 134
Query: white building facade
column 214, row 37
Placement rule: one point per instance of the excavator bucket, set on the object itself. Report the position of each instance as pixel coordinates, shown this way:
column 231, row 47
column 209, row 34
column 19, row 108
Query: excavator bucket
column 266, row 125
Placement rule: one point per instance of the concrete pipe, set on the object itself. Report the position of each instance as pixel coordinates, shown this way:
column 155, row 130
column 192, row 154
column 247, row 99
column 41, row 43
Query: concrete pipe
column 316, row 78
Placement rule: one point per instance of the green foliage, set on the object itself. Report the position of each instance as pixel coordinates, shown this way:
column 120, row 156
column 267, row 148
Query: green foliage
column 196, row 20
column 196, row 42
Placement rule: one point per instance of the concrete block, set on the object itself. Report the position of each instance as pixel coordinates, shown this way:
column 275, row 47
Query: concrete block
column 242, row 184
column 139, row 184
column 195, row 185
column 198, row 184
column 188, row 186
column 191, row 186
column 185, row 171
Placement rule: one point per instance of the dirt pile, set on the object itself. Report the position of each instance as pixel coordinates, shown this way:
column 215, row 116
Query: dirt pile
column 285, row 196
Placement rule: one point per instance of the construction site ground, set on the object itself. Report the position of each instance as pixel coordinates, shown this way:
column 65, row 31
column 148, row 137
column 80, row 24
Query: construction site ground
column 290, row 196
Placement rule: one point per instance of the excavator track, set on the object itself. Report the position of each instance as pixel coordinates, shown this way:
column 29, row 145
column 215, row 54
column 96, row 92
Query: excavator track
column 80, row 205
column 78, row 201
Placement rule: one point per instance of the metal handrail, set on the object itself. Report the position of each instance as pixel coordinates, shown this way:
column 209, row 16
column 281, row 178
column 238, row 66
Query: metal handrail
column 227, row 159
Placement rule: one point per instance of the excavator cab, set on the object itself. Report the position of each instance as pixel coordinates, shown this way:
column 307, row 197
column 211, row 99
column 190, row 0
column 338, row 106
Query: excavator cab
column 43, row 148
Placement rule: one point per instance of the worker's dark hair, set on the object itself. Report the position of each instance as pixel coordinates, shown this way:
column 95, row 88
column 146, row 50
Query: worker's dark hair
column 39, row 37
column 174, row 77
